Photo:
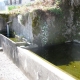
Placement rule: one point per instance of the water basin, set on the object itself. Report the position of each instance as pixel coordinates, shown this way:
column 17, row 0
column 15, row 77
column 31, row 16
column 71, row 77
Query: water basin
column 16, row 39
column 66, row 56
column 19, row 42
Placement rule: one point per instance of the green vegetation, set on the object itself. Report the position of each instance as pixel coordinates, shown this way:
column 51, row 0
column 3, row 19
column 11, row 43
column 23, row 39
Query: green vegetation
column 35, row 22
column 56, row 11
column 58, row 1
column 5, row 17
column 12, row 7
column 16, row 40
column 29, row 4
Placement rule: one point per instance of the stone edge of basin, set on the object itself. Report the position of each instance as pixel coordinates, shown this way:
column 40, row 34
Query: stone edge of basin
column 51, row 67
column 24, row 59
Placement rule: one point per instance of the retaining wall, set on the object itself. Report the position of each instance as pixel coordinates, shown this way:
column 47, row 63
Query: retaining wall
column 34, row 67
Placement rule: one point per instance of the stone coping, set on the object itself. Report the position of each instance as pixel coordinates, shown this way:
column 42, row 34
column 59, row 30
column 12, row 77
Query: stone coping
column 33, row 66
column 51, row 67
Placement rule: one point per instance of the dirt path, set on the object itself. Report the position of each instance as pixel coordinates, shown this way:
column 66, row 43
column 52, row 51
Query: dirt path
column 8, row 70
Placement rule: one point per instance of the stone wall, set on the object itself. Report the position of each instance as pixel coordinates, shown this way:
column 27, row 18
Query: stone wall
column 2, row 23
column 75, row 2
column 22, row 29
column 40, row 27
column 34, row 67
column 49, row 27
column 71, row 10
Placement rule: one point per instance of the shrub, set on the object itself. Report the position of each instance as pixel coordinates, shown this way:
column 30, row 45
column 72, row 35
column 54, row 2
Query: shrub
column 56, row 11
column 12, row 7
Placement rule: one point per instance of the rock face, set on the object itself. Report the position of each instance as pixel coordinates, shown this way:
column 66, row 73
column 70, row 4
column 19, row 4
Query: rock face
column 71, row 13
column 22, row 26
column 2, row 23
column 75, row 2
column 40, row 27
column 50, row 27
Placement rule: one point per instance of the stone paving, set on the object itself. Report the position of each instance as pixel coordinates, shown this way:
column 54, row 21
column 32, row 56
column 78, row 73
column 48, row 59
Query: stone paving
column 8, row 70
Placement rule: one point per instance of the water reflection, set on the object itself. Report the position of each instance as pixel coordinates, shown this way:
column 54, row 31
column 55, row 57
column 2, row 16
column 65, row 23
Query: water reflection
column 61, row 54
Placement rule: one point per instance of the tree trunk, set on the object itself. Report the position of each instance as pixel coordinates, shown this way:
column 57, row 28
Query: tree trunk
column 11, row 2
column 20, row 1
column 15, row 2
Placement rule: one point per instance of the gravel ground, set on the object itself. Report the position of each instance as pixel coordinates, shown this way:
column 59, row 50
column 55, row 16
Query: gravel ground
column 8, row 70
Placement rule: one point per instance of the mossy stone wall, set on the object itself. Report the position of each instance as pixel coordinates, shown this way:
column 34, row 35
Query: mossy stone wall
column 3, row 20
column 40, row 27
column 51, row 26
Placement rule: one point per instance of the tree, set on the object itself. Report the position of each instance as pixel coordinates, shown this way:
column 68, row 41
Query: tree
column 20, row 1
column 15, row 2
column 11, row 2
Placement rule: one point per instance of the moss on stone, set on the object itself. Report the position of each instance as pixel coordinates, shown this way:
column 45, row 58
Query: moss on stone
column 5, row 17
column 35, row 25
column 35, row 22
column 55, row 11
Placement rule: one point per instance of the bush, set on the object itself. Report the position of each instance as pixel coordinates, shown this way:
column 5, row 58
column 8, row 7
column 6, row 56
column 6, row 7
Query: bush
column 56, row 11
column 12, row 7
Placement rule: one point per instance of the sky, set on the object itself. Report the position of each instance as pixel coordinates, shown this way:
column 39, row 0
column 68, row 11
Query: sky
column 1, row 0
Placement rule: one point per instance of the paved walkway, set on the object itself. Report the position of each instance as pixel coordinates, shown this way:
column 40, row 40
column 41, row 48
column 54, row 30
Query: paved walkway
column 8, row 70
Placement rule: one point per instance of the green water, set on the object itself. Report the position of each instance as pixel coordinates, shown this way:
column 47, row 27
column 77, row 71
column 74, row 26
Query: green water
column 16, row 40
column 72, row 68
column 66, row 56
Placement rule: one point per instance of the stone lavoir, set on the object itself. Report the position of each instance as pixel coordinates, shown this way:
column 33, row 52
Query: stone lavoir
column 52, row 27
